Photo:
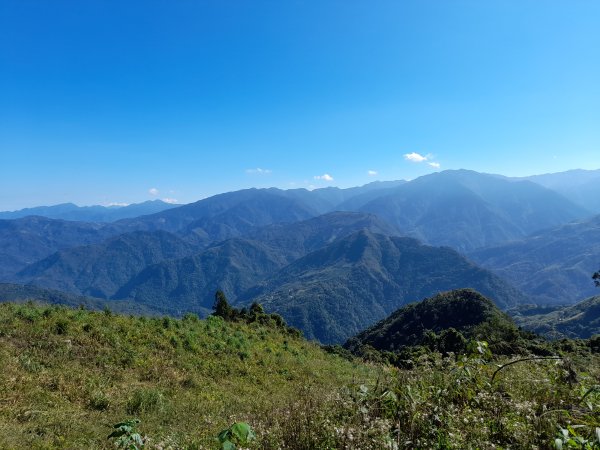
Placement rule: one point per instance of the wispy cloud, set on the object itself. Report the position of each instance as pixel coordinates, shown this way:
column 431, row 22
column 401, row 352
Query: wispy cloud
column 153, row 191
column 116, row 204
column 170, row 200
column 418, row 158
column 324, row 177
column 259, row 171
column 371, row 173
column 415, row 157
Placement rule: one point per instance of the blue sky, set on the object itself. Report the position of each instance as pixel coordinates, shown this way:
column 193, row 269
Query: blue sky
column 102, row 102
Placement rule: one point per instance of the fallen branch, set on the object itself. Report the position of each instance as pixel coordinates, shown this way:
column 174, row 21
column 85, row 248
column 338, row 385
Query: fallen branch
column 533, row 358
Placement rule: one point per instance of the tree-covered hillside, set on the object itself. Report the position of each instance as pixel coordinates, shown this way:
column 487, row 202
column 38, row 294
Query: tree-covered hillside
column 553, row 266
column 446, row 322
column 337, row 291
column 581, row 320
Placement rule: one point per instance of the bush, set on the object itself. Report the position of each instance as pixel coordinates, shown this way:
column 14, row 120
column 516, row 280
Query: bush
column 145, row 400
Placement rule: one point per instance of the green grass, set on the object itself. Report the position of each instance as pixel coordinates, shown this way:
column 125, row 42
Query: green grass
column 68, row 375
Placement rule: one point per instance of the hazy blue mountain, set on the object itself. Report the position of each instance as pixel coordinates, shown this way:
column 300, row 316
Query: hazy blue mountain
column 580, row 186
column 297, row 239
column 29, row 239
column 581, row 320
column 99, row 270
column 554, row 266
column 467, row 312
column 337, row 291
column 239, row 263
column 189, row 284
column 95, row 213
column 468, row 210
column 237, row 212
column 332, row 198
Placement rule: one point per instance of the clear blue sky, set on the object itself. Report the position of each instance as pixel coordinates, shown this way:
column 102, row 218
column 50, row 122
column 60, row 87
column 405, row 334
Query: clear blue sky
column 102, row 101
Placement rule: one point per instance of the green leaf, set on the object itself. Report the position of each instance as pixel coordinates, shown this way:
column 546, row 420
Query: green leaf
column 558, row 443
column 116, row 434
column 224, row 435
column 242, row 432
column 137, row 439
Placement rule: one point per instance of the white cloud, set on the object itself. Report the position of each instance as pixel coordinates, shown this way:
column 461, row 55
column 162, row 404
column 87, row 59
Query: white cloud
column 415, row 157
column 153, row 191
column 259, row 171
column 324, row 177
column 418, row 158
column 169, row 200
column 371, row 173
column 116, row 204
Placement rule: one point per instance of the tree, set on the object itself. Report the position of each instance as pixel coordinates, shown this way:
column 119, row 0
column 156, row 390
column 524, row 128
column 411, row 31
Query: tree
column 596, row 278
column 221, row 307
column 256, row 309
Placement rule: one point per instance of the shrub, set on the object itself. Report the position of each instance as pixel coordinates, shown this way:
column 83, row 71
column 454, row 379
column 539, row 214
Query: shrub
column 145, row 400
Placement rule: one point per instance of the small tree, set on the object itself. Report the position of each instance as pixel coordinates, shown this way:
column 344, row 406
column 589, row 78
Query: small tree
column 256, row 309
column 221, row 307
column 596, row 278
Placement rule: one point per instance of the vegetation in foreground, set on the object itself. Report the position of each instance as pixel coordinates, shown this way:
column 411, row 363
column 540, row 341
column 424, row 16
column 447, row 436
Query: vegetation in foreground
column 69, row 378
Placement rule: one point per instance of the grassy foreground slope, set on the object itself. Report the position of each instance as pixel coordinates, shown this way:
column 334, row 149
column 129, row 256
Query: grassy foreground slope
column 67, row 374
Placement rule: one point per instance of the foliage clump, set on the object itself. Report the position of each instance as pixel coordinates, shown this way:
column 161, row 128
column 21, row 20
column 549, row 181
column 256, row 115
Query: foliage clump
column 255, row 314
column 444, row 323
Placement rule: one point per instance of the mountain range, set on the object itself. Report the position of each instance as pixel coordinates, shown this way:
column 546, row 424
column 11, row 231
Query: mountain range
column 466, row 210
column 95, row 213
column 553, row 266
column 335, row 292
column 581, row 320
column 580, row 186
column 331, row 261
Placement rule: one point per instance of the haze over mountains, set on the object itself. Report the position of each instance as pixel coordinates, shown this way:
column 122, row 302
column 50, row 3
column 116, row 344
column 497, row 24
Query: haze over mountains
column 579, row 186
column 95, row 213
column 331, row 261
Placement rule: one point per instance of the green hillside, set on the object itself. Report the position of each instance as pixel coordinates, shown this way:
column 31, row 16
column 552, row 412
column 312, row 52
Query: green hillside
column 444, row 322
column 67, row 376
column 581, row 320
column 339, row 290
column 553, row 266
column 99, row 270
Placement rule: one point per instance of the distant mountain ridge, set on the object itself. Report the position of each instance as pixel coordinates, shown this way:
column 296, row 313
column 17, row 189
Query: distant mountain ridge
column 580, row 186
column 94, row 213
column 29, row 239
column 239, row 263
column 581, row 320
column 99, row 270
column 553, row 266
column 467, row 210
column 331, row 261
